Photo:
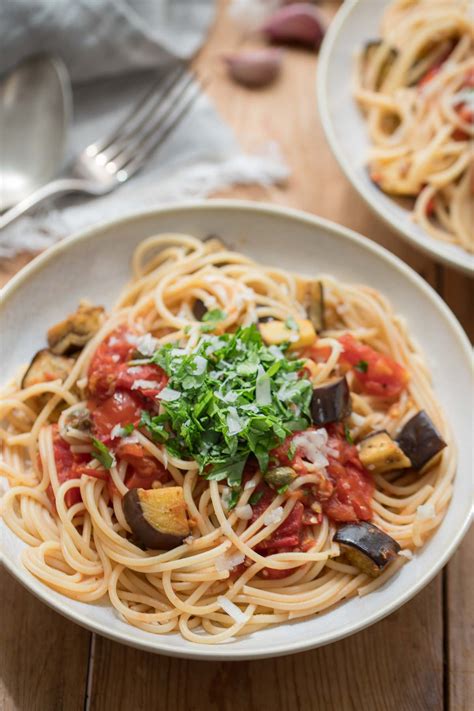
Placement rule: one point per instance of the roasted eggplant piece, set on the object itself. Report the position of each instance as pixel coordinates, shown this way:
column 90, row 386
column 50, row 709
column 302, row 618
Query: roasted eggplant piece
column 387, row 56
column 331, row 402
column 313, row 301
column 76, row 330
column 380, row 453
column 157, row 517
column 420, row 440
column 199, row 310
column 367, row 547
column 280, row 476
column 47, row 366
column 276, row 332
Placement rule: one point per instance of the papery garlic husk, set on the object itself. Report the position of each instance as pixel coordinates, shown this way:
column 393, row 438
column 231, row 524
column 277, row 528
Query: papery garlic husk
column 299, row 23
column 255, row 67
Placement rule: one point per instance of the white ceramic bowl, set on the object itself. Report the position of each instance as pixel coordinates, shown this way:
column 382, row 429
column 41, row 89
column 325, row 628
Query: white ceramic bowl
column 95, row 265
column 357, row 22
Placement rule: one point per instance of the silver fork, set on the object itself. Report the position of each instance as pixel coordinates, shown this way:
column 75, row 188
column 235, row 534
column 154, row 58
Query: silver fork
column 110, row 161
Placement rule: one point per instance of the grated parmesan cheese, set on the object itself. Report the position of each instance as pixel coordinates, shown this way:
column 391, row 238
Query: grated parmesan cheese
column 314, row 447
column 227, row 561
column 145, row 384
column 231, row 609
column 147, row 344
column 244, row 512
column 250, row 484
column 425, row 512
column 274, row 516
column 168, row 394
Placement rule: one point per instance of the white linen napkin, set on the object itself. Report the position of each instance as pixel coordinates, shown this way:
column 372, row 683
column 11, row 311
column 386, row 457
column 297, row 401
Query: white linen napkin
column 109, row 47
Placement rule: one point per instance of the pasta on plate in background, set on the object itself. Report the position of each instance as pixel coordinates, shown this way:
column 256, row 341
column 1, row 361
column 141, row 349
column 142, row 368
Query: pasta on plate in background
column 415, row 85
column 233, row 446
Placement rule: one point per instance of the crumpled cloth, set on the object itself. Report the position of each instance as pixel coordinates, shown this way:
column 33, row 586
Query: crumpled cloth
column 113, row 50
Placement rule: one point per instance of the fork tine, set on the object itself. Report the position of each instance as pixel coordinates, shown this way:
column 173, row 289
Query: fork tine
column 159, row 89
column 165, row 116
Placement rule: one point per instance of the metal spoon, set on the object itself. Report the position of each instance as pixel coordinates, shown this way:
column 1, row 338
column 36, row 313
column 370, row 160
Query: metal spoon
column 35, row 113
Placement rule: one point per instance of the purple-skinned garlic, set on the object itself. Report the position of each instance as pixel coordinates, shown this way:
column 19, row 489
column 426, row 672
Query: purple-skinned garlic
column 254, row 67
column 299, row 23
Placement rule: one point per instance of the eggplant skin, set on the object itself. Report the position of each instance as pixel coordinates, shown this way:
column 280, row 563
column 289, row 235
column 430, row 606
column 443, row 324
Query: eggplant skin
column 366, row 546
column 45, row 366
column 199, row 309
column 170, row 526
column 331, row 402
column 420, row 440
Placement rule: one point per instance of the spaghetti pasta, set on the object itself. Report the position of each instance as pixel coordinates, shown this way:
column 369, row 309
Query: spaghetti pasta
column 415, row 85
column 257, row 552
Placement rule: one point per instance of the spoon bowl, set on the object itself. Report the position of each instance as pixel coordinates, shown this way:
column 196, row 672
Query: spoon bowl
column 35, row 113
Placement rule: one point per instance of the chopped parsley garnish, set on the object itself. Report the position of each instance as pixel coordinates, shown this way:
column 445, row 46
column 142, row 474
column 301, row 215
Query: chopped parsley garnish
column 102, row 453
column 291, row 324
column 233, row 498
column 291, row 451
column 237, row 397
column 211, row 319
column 155, row 426
column 124, row 430
column 283, row 488
column 362, row 366
column 255, row 498
column 347, row 434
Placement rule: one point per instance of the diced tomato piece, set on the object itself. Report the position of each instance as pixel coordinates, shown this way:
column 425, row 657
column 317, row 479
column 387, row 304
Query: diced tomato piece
column 353, row 484
column 320, row 354
column 377, row 374
column 122, row 408
column 144, row 470
column 129, row 377
column 288, row 534
column 104, row 368
column 68, row 466
column 465, row 113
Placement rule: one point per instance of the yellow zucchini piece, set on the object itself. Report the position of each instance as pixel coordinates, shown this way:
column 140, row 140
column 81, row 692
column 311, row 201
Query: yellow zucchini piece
column 277, row 332
column 380, row 453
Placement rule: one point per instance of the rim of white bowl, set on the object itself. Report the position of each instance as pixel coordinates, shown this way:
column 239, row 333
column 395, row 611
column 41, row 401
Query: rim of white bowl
column 463, row 261
column 158, row 644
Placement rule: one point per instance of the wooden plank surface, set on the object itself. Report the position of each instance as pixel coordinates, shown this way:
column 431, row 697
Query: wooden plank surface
column 419, row 658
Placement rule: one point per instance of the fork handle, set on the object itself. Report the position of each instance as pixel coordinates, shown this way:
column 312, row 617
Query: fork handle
column 55, row 187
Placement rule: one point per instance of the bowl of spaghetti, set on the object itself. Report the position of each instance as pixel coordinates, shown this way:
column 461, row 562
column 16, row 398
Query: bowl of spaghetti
column 229, row 431
column 395, row 95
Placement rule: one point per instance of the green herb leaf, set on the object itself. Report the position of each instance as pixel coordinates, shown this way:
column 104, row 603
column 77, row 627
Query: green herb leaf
column 211, row 319
column 102, row 453
column 291, row 451
column 347, row 434
column 283, row 488
column 291, row 324
column 362, row 366
column 233, row 498
column 156, row 426
column 255, row 498
column 238, row 397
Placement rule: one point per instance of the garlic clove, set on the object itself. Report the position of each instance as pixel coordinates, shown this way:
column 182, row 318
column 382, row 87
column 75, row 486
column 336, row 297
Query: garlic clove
column 255, row 67
column 299, row 23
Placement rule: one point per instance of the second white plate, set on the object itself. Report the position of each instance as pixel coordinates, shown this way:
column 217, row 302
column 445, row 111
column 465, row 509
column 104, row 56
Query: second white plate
column 356, row 23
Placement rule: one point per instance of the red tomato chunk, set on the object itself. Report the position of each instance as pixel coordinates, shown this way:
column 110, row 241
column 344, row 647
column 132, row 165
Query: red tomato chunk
column 377, row 374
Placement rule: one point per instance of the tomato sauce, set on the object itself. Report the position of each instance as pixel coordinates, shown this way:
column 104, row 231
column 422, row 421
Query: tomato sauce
column 68, row 466
column 377, row 373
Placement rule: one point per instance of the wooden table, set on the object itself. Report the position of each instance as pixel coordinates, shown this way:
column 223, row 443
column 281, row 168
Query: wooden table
column 419, row 658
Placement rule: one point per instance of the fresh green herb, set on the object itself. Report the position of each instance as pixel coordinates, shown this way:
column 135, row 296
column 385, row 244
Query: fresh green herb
column 155, row 426
column 233, row 498
column 255, row 498
column 291, row 451
column 102, row 453
column 291, row 324
column 211, row 319
column 283, row 488
column 347, row 434
column 237, row 397
column 124, row 430
column 187, row 329
column 362, row 366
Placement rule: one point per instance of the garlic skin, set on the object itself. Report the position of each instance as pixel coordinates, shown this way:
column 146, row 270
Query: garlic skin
column 298, row 23
column 255, row 67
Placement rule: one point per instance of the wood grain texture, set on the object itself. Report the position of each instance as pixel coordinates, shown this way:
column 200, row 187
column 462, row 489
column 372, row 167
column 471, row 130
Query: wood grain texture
column 460, row 627
column 43, row 656
column 396, row 665
column 373, row 670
